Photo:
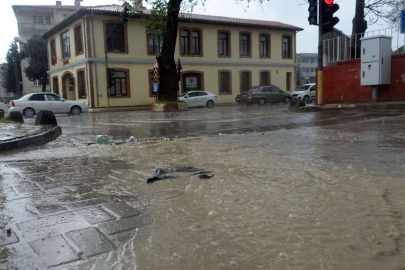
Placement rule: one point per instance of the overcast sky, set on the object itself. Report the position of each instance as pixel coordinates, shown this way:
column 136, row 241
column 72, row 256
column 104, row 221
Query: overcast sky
column 293, row 12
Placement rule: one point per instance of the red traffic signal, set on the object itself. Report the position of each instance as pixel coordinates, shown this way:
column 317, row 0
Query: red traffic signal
column 328, row 19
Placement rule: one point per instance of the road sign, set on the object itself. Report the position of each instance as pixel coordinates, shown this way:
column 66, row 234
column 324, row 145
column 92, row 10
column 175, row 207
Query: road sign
column 155, row 64
column 403, row 21
column 155, row 87
column 155, row 75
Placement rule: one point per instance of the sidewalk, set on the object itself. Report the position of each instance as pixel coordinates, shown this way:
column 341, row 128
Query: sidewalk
column 398, row 106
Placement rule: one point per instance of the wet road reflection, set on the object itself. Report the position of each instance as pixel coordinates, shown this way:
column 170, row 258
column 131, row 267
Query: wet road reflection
column 321, row 196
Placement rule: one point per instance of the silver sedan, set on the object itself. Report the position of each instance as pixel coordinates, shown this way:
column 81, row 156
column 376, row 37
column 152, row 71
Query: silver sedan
column 199, row 99
column 29, row 105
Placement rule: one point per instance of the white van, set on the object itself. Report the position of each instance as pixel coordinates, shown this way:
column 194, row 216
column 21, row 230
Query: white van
column 305, row 92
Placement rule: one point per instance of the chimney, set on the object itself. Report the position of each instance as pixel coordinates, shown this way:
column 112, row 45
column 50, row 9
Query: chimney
column 139, row 6
column 77, row 3
column 58, row 3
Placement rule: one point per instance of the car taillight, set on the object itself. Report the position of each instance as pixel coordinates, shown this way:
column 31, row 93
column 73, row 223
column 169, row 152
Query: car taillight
column 12, row 104
column 215, row 96
column 250, row 95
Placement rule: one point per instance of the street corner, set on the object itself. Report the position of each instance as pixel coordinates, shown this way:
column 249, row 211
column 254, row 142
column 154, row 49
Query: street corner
column 61, row 215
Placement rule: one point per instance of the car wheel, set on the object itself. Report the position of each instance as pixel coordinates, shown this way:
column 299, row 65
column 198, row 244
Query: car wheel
column 262, row 102
column 210, row 104
column 29, row 113
column 76, row 110
column 287, row 100
column 3, row 112
column 306, row 99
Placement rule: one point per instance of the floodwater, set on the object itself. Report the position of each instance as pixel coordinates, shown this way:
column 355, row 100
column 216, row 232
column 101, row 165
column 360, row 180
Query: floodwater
column 309, row 198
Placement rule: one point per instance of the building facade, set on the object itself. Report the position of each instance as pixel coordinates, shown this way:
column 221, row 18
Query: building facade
column 220, row 55
column 306, row 69
column 34, row 20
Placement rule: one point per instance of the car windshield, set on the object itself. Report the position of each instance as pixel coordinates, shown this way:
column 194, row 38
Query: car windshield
column 304, row 87
column 185, row 94
column 254, row 89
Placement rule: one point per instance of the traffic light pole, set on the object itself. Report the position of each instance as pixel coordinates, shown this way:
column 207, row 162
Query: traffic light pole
column 320, row 56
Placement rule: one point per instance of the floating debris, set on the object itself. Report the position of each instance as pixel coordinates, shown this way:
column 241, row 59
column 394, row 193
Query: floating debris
column 164, row 174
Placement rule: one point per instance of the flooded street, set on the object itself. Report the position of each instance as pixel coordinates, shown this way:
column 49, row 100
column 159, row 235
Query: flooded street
column 293, row 194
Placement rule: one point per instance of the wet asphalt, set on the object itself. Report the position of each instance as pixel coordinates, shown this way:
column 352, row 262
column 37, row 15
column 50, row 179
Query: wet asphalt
column 199, row 121
column 67, row 205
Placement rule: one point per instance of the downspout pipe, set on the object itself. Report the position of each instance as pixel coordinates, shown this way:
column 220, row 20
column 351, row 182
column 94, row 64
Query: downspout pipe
column 85, row 56
column 95, row 56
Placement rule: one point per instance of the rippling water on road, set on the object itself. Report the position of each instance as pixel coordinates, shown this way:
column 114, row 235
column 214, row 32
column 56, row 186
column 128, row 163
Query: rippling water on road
column 313, row 198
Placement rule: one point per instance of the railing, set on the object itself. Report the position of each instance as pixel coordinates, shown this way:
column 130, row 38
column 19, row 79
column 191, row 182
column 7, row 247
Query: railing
column 348, row 47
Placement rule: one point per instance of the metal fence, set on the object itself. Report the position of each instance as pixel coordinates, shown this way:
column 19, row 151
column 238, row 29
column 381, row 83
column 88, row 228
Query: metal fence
column 348, row 47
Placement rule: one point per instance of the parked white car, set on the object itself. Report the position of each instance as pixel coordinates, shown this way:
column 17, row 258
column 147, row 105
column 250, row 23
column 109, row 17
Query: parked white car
column 3, row 107
column 305, row 92
column 29, row 105
column 199, row 99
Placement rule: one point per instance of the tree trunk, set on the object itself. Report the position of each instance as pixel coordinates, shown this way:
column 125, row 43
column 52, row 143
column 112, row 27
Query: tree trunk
column 44, row 82
column 169, row 84
column 359, row 27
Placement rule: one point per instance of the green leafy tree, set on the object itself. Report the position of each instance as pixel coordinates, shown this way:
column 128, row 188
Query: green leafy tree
column 35, row 50
column 8, row 74
column 164, row 17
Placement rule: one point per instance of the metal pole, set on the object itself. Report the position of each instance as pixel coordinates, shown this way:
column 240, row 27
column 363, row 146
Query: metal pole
column 106, row 75
column 320, row 55
column 375, row 90
column 399, row 31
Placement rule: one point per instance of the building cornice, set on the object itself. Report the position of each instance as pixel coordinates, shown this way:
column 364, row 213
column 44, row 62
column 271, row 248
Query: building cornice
column 184, row 62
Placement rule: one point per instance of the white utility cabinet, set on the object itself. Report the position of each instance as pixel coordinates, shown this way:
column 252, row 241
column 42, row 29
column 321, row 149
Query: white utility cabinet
column 376, row 60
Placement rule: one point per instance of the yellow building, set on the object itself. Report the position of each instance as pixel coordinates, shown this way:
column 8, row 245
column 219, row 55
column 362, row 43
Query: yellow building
column 220, row 55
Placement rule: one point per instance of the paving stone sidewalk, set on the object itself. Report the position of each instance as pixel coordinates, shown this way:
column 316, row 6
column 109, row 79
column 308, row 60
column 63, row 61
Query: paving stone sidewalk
column 62, row 211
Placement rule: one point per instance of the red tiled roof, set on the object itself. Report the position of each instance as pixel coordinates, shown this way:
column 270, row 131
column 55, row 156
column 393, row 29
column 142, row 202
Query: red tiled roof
column 46, row 7
column 209, row 18
column 188, row 17
column 239, row 21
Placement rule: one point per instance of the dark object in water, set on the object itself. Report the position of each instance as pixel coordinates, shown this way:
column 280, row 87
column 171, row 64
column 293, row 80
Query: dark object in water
column 162, row 174
column 295, row 104
column 45, row 118
column 16, row 117
column 205, row 176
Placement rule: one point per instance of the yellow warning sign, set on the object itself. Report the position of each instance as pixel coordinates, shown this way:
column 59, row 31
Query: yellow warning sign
column 155, row 75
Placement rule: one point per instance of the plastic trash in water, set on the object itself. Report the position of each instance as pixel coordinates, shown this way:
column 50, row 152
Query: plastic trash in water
column 101, row 139
column 132, row 139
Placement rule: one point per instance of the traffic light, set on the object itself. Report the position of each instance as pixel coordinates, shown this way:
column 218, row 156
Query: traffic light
column 111, row 80
column 328, row 21
column 313, row 12
column 125, row 15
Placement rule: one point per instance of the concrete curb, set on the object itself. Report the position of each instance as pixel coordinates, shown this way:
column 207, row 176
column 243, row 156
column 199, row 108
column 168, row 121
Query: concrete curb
column 398, row 107
column 43, row 138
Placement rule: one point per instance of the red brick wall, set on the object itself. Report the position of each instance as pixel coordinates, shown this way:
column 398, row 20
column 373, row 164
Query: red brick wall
column 341, row 83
